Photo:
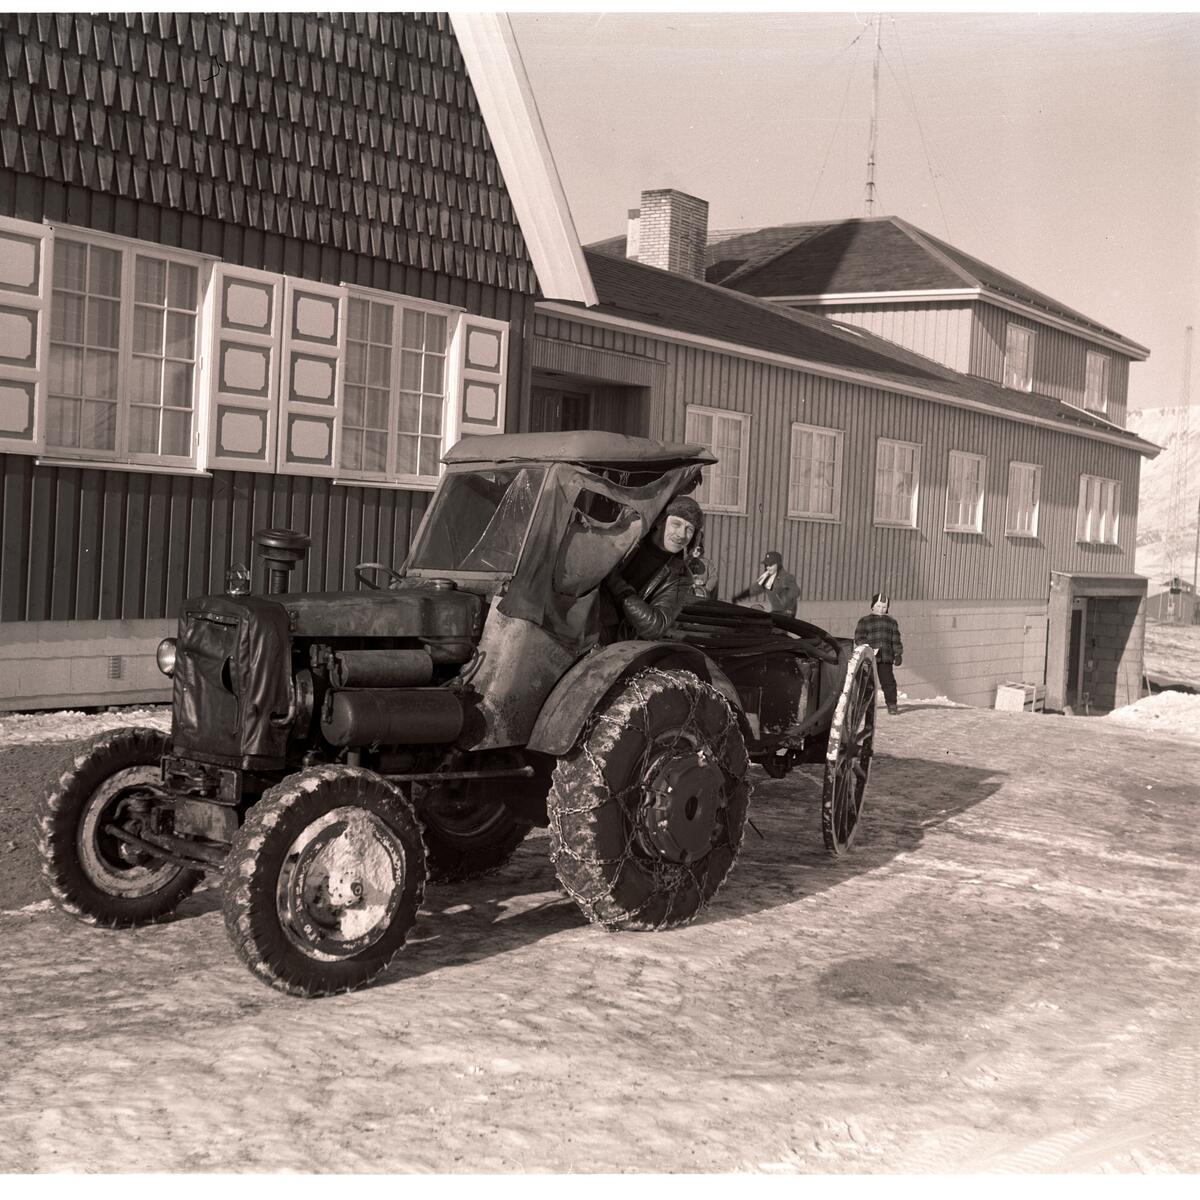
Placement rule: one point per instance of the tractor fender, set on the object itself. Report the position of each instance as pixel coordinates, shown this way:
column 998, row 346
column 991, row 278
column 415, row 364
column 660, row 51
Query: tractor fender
column 581, row 689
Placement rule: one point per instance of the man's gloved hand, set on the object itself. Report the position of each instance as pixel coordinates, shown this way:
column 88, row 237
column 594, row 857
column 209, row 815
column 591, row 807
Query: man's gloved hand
column 617, row 586
column 899, row 659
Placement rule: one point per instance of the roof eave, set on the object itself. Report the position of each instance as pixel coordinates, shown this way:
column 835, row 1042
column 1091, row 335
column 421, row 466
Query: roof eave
column 1101, row 432
column 518, row 137
column 1110, row 340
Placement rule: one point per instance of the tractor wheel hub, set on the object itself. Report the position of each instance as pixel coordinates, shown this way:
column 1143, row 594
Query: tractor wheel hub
column 684, row 798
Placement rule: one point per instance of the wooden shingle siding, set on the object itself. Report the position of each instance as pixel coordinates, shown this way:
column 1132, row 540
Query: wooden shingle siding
column 346, row 132
column 82, row 544
column 938, row 331
column 848, row 559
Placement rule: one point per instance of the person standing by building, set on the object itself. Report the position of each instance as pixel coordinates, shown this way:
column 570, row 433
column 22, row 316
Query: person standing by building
column 882, row 634
column 775, row 590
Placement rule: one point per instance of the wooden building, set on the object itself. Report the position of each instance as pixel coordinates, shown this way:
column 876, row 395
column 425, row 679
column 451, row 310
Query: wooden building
column 255, row 270
column 993, row 496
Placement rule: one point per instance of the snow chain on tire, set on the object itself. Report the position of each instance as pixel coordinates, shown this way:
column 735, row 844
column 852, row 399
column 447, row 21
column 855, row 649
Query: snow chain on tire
column 598, row 851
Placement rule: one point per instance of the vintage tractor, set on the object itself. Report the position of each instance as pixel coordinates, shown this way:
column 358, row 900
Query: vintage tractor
column 330, row 752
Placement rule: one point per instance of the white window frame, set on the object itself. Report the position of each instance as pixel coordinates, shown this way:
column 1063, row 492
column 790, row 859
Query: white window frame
column 451, row 389
column 1097, row 401
column 959, row 469
column 1099, row 515
column 909, row 522
column 1021, row 382
column 1014, row 508
column 721, row 414
column 474, row 380
column 130, row 249
column 797, row 510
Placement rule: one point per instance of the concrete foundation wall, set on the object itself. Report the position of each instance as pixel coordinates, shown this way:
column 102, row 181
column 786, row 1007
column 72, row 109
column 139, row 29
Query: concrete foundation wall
column 961, row 650
column 81, row 664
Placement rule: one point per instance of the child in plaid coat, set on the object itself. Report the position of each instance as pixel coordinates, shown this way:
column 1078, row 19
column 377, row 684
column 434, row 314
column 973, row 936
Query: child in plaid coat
column 882, row 634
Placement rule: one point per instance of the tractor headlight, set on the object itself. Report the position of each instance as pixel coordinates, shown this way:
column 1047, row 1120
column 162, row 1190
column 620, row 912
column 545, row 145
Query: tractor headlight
column 165, row 656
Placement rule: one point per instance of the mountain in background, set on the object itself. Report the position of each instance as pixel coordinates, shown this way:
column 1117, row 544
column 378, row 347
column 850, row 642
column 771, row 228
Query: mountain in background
column 1155, row 538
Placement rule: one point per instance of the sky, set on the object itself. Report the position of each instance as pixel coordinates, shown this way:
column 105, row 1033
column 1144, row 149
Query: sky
column 1062, row 148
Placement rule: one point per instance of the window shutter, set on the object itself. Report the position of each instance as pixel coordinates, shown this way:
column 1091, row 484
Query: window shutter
column 313, row 337
column 481, row 358
column 24, row 334
column 244, row 367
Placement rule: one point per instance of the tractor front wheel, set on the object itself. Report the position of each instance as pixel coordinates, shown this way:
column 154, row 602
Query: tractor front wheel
column 93, row 872
column 648, row 810
column 324, row 881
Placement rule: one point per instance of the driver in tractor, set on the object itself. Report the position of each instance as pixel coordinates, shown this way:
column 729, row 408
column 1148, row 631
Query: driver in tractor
column 642, row 598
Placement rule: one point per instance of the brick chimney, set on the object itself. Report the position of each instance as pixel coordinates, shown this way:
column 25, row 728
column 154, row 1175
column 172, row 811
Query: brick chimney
column 669, row 231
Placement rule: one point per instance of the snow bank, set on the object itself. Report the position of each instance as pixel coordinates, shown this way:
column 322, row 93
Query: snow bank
column 26, row 729
column 1173, row 713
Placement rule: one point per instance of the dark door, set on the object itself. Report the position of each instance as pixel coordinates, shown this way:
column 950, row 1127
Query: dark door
column 556, row 411
column 1075, row 657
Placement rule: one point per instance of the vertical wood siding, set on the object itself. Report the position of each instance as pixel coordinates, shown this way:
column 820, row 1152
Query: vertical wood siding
column 938, row 331
column 1059, row 360
column 78, row 544
column 848, row 559
column 81, row 544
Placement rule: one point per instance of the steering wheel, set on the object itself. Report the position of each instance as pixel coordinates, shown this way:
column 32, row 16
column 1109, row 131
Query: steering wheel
column 360, row 571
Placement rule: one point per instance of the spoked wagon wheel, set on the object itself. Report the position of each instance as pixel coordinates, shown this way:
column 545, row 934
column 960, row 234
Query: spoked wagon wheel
column 848, row 757
column 91, row 870
column 647, row 811
column 469, row 832
column 324, row 881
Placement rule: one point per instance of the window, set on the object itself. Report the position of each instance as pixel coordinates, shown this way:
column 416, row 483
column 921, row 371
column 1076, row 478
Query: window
column 726, row 434
column 1099, row 506
column 964, row 492
column 815, row 478
column 897, row 477
column 392, row 421
column 1024, row 495
column 122, row 363
column 1095, row 388
column 114, row 350
column 1018, row 358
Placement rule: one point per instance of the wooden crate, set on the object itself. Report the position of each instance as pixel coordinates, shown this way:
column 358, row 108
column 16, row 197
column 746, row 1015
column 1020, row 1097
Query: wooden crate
column 1021, row 697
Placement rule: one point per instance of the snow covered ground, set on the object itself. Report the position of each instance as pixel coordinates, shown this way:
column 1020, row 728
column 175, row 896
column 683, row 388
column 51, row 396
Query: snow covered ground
column 28, row 729
column 1172, row 713
column 1173, row 650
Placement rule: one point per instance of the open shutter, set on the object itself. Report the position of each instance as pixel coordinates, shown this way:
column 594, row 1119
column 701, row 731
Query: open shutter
column 24, row 316
column 481, row 356
column 244, row 368
column 313, row 336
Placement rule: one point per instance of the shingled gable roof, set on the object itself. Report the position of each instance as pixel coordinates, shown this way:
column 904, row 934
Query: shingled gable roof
column 873, row 254
column 863, row 256
column 632, row 293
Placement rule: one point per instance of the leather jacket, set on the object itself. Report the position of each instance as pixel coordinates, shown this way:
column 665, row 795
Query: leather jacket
column 650, row 613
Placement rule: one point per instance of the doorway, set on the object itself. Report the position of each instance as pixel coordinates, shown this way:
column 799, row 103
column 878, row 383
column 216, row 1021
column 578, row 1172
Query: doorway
column 556, row 410
column 1076, row 696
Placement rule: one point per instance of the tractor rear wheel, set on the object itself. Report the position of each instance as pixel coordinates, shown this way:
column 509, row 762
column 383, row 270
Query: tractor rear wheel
column 324, row 881
column 648, row 809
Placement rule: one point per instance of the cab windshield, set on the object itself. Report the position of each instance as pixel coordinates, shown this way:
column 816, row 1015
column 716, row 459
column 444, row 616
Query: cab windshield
column 478, row 521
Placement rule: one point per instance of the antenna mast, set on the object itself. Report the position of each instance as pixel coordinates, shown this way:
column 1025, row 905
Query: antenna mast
column 1177, row 516
column 874, row 121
